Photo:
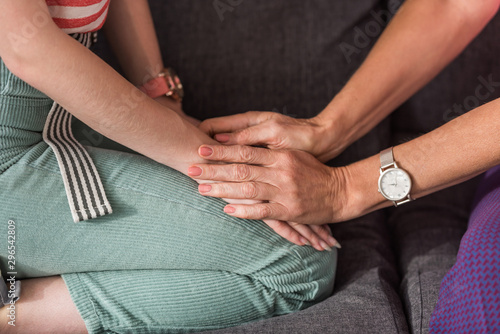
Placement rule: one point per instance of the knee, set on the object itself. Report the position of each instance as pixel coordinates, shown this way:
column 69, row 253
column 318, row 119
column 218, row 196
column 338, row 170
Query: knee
column 302, row 278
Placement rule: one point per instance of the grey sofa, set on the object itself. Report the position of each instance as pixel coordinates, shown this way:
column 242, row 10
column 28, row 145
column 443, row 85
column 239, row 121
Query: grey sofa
column 293, row 56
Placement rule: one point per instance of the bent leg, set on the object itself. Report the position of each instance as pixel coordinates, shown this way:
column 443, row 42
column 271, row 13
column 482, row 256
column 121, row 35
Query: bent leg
column 162, row 237
column 46, row 308
column 171, row 301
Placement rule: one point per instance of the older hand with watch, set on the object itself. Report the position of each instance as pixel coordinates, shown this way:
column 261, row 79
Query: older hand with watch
column 295, row 187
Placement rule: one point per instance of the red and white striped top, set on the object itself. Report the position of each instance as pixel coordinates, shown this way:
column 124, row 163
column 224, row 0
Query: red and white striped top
column 78, row 16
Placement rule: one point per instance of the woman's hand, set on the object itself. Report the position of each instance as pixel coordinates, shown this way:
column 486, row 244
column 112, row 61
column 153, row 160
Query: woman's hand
column 317, row 236
column 275, row 131
column 292, row 185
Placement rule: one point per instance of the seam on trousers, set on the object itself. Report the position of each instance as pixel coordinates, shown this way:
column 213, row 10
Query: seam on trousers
column 81, row 287
column 309, row 271
column 110, row 328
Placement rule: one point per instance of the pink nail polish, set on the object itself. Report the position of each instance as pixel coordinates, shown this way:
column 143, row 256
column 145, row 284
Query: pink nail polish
column 206, row 151
column 222, row 138
column 325, row 246
column 204, row 188
column 229, row 209
column 305, row 241
column 194, row 171
column 334, row 243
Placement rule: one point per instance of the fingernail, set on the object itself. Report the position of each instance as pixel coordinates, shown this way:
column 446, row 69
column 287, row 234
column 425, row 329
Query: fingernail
column 222, row 138
column 206, row 151
column 194, row 171
column 334, row 243
column 325, row 246
column 229, row 209
column 204, row 188
column 305, row 241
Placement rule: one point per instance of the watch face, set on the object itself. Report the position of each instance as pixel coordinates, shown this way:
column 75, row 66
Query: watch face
column 394, row 184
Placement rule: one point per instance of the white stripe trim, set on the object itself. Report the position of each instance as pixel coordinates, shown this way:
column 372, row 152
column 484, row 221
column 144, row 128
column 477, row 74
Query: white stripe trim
column 89, row 27
column 65, row 119
column 96, row 187
column 57, row 135
column 57, row 153
column 69, row 13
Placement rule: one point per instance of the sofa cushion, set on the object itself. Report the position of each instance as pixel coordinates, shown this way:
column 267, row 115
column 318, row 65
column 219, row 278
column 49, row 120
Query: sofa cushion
column 365, row 299
column 426, row 235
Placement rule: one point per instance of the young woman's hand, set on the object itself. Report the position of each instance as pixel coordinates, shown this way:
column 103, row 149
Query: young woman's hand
column 275, row 131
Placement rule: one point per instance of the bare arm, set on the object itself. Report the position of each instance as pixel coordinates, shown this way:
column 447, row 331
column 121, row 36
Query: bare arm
column 91, row 90
column 422, row 38
column 130, row 32
column 132, row 36
column 455, row 152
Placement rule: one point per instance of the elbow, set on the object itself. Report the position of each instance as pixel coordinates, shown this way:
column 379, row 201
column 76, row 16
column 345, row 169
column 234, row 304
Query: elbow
column 479, row 12
column 14, row 64
column 489, row 8
column 23, row 25
column 14, row 51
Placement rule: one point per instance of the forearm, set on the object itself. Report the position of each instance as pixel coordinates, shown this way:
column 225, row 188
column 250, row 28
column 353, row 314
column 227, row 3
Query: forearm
column 132, row 36
column 451, row 154
column 92, row 91
column 423, row 37
column 130, row 32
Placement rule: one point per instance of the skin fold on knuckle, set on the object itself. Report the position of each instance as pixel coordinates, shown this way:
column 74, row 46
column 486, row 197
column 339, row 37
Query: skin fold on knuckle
column 241, row 172
column 241, row 137
column 249, row 190
column 207, row 172
column 246, row 154
column 262, row 212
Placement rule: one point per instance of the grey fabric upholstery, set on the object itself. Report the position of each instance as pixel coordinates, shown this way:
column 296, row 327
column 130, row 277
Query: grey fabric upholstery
column 285, row 55
column 426, row 235
column 366, row 298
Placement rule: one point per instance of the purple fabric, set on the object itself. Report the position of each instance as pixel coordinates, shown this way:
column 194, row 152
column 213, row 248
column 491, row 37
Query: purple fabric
column 469, row 299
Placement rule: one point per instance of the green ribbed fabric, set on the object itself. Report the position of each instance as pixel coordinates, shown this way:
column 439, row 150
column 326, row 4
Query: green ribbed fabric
column 19, row 130
column 168, row 260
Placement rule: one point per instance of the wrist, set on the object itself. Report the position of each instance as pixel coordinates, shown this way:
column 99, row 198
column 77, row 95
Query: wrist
column 339, row 123
column 170, row 103
column 329, row 135
column 344, row 120
column 361, row 181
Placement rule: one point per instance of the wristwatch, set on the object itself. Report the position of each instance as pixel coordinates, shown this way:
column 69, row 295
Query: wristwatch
column 394, row 183
column 165, row 83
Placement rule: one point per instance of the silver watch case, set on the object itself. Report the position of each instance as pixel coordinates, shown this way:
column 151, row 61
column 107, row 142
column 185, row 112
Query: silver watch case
column 397, row 201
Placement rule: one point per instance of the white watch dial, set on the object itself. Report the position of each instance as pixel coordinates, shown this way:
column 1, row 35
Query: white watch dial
column 394, row 184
